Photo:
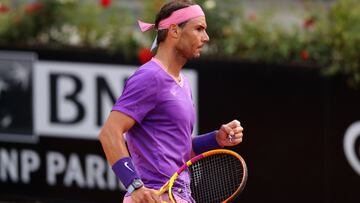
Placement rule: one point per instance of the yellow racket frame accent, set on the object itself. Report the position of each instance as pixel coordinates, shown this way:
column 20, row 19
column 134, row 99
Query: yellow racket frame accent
column 169, row 184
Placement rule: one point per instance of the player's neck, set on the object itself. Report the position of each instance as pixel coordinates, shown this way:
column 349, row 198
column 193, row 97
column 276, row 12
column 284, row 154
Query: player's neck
column 172, row 62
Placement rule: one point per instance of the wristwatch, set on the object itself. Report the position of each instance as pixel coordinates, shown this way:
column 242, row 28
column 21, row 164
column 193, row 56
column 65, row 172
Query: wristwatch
column 136, row 184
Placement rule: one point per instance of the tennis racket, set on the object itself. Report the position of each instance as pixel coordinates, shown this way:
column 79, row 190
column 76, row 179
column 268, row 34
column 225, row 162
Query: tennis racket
column 216, row 176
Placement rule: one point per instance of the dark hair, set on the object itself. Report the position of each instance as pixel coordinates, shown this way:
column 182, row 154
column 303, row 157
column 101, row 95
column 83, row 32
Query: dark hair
column 166, row 11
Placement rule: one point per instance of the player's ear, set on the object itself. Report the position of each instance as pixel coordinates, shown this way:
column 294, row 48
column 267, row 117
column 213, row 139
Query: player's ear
column 174, row 31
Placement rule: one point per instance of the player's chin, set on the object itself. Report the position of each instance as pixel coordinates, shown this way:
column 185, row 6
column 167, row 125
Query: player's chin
column 193, row 56
column 197, row 54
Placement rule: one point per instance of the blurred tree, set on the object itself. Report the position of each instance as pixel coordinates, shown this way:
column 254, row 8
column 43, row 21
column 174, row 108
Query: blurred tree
column 327, row 35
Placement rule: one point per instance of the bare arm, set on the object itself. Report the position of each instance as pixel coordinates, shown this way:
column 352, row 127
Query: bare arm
column 112, row 140
column 112, row 136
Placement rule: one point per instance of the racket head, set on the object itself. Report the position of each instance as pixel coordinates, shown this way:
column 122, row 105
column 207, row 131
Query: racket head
column 216, row 176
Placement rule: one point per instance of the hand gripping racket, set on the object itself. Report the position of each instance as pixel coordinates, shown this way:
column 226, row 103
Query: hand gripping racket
column 216, row 176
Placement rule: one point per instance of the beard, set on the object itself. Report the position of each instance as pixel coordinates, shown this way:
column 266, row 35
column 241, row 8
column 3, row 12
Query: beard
column 188, row 53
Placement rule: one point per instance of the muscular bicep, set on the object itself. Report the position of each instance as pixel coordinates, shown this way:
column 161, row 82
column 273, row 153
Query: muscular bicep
column 112, row 135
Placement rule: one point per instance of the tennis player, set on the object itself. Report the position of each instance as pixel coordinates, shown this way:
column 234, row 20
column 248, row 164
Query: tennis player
column 157, row 114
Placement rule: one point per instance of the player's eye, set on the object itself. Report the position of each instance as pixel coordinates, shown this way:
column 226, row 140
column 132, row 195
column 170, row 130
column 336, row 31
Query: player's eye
column 200, row 29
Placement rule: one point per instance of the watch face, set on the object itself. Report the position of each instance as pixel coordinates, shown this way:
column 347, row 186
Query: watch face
column 137, row 184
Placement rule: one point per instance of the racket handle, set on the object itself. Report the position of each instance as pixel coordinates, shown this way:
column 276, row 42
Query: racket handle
column 163, row 188
column 161, row 191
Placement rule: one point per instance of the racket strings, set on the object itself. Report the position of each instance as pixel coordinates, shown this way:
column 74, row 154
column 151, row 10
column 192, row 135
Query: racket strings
column 215, row 178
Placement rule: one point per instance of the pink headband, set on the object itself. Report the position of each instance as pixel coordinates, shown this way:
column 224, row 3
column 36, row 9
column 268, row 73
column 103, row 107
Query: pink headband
column 177, row 17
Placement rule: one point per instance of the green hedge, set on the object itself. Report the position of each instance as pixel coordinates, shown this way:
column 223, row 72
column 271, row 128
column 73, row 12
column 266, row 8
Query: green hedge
column 326, row 37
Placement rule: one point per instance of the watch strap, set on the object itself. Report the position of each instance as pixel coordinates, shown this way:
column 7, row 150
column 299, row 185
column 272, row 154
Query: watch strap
column 130, row 189
column 136, row 184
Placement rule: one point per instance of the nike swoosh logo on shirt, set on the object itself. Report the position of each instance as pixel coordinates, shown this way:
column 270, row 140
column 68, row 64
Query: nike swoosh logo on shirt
column 127, row 166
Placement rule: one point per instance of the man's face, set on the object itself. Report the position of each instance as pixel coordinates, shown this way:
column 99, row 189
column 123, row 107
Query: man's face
column 193, row 37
